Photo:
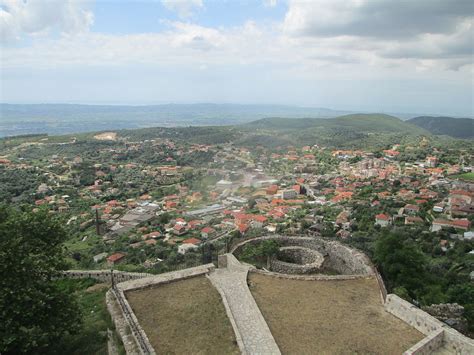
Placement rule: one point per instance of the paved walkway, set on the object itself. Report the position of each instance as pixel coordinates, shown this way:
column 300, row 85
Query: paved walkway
column 255, row 336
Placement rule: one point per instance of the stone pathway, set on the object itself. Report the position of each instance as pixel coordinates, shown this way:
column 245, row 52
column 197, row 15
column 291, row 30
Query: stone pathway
column 253, row 334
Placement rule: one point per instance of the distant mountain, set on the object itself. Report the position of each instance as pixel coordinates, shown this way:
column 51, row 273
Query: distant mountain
column 65, row 118
column 450, row 126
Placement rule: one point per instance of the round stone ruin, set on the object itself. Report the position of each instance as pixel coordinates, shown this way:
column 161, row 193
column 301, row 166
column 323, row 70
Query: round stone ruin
column 297, row 260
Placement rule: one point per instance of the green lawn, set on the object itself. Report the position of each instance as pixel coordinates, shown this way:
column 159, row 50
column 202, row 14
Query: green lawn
column 465, row 176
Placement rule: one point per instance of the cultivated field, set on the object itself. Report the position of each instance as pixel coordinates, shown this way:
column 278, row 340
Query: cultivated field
column 184, row 317
column 330, row 317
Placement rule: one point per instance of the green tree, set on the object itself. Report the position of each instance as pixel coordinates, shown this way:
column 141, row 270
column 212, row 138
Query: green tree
column 35, row 313
column 401, row 262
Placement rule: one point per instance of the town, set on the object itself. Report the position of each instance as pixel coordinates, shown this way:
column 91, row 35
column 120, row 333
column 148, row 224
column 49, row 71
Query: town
column 162, row 204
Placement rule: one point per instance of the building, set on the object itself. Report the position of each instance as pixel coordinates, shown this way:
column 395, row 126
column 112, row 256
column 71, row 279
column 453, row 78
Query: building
column 288, row 194
column 440, row 223
column 413, row 220
column 207, row 232
column 411, row 209
column 188, row 244
column 179, row 229
column 431, row 162
column 99, row 257
column 115, row 259
column 383, row 220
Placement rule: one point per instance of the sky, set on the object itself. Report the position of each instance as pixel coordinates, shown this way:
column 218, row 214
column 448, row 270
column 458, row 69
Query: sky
column 371, row 55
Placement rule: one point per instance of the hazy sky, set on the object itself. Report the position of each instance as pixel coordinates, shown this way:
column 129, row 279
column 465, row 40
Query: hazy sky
column 379, row 55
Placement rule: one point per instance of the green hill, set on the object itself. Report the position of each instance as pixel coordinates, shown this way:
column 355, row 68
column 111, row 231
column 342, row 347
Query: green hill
column 450, row 126
column 354, row 131
column 376, row 123
column 364, row 123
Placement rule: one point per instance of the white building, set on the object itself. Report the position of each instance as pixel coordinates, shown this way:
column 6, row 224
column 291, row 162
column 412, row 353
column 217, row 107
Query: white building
column 185, row 247
column 288, row 194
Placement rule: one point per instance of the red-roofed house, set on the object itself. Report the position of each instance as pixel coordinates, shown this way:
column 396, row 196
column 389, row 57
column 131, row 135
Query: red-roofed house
column 179, row 229
column 439, row 223
column 382, row 220
column 116, row 258
column 193, row 241
column 207, row 232
column 243, row 228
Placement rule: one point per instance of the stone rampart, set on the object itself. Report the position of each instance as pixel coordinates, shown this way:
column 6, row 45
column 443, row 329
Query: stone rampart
column 315, row 277
column 105, row 275
column 428, row 344
column 128, row 328
column 344, row 260
column 453, row 341
column 155, row 280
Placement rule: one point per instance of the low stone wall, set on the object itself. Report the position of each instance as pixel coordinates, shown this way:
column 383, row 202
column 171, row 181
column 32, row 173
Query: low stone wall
column 345, row 260
column 427, row 345
column 105, row 275
column 302, row 261
column 121, row 324
column 155, row 280
column 452, row 340
column 316, row 277
column 128, row 327
column 141, row 344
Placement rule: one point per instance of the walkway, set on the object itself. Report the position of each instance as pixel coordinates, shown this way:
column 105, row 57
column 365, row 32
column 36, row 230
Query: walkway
column 252, row 331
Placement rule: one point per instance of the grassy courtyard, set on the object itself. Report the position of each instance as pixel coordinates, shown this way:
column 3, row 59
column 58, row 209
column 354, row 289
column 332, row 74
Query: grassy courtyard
column 184, row 317
column 330, row 317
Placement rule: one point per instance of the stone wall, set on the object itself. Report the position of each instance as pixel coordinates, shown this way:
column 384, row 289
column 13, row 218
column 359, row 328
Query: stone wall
column 105, row 275
column 427, row 345
column 315, row 277
column 345, row 260
column 128, row 327
column 297, row 260
column 453, row 341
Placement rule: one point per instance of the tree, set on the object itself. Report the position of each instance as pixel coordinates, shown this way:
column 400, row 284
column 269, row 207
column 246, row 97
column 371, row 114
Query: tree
column 401, row 262
column 35, row 312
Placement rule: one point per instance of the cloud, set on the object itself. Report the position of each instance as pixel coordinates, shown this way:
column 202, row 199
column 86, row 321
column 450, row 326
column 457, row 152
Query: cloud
column 385, row 19
column 184, row 8
column 275, row 44
column 34, row 17
column 428, row 31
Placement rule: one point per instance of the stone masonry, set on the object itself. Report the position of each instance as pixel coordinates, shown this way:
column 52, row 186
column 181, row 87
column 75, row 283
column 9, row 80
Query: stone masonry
column 251, row 329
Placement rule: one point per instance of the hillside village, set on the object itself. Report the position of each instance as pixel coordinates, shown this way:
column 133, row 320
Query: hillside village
column 163, row 204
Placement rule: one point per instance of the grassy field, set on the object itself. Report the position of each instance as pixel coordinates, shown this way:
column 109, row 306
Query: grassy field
column 184, row 317
column 330, row 317
column 465, row 176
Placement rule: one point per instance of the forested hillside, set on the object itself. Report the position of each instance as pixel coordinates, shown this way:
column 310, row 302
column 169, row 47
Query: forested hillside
column 450, row 126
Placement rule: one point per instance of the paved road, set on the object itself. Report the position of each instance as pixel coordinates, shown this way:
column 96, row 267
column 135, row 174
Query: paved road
column 254, row 332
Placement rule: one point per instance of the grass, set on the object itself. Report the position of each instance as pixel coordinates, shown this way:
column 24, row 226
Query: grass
column 92, row 337
column 184, row 317
column 465, row 176
column 332, row 317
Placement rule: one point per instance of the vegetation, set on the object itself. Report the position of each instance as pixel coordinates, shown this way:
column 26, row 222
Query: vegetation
column 465, row 176
column 258, row 254
column 416, row 269
column 91, row 337
column 450, row 126
column 36, row 312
